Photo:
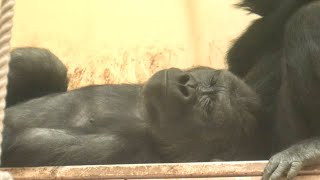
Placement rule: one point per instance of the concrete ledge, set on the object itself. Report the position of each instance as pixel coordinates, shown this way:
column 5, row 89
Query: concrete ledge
column 215, row 170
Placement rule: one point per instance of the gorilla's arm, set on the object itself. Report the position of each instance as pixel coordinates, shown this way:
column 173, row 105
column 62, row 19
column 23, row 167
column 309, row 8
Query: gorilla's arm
column 299, row 93
column 74, row 109
column 264, row 31
column 58, row 147
column 83, row 126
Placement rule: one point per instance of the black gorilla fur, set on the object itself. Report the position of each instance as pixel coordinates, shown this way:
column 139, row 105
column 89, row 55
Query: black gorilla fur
column 34, row 72
column 279, row 57
column 200, row 114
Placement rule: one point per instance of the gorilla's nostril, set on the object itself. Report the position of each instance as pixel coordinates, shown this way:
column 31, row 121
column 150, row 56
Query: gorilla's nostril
column 184, row 90
column 184, row 79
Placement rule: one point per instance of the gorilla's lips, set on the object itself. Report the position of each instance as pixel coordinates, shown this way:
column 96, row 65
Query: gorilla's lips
column 206, row 103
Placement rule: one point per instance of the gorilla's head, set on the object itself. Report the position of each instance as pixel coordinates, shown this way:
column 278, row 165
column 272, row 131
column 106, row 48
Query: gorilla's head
column 210, row 107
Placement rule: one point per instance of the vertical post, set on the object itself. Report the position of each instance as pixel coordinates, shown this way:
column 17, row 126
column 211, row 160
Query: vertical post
column 6, row 23
column 198, row 33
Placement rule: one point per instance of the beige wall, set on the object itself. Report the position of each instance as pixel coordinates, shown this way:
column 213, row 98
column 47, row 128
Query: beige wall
column 116, row 41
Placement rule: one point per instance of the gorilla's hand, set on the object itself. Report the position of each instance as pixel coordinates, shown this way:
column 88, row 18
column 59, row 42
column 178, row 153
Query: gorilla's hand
column 290, row 161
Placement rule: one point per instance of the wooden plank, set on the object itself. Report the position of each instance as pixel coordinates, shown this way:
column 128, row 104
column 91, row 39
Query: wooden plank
column 213, row 170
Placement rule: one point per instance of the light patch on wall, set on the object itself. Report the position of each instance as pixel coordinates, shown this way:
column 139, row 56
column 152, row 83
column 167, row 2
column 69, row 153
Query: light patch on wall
column 125, row 41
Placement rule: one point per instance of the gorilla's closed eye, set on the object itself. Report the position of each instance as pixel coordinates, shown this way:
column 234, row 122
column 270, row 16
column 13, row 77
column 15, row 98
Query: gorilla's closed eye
column 213, row 81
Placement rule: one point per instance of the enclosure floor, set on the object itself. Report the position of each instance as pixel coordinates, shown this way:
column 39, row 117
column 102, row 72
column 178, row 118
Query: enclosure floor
column 215, row 171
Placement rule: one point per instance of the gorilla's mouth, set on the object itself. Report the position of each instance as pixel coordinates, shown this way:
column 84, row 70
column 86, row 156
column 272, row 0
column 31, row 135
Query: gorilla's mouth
column 206, row 103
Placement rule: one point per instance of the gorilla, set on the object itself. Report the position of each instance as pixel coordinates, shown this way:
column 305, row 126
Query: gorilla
column 195, row 115
column 278, row 56
column 34, row 72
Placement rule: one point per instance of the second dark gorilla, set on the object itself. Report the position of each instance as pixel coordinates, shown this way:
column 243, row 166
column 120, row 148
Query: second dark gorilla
column 178, row 116
column 279, row 57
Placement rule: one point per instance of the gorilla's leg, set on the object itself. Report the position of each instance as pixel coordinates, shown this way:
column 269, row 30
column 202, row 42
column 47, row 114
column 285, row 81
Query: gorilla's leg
column 34, row 72
column 57, row 147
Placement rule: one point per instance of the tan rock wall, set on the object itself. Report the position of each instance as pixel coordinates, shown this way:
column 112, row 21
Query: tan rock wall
column 117, row 41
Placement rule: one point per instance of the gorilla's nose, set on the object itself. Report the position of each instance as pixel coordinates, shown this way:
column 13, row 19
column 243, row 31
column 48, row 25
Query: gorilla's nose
column 182, row 83
column 178, row 76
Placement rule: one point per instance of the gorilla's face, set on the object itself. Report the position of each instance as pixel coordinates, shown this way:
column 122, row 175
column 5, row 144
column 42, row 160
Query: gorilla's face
column 200, row 102
column 260, row 7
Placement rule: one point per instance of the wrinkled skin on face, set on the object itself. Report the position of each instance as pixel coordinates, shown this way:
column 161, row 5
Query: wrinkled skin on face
column 211, row 107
